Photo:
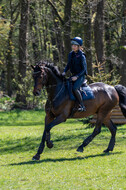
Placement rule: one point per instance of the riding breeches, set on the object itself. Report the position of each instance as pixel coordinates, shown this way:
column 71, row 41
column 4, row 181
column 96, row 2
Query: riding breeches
column 77, row 84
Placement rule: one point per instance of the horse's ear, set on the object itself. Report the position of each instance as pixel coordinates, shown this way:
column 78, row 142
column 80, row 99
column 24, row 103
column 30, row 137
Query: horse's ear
column 32, row 67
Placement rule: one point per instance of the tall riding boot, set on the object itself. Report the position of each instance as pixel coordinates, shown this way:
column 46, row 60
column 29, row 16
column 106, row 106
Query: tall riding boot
column 80, row 100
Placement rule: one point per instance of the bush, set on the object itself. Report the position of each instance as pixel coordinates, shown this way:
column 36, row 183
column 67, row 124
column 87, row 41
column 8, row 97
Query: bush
column 101, row 74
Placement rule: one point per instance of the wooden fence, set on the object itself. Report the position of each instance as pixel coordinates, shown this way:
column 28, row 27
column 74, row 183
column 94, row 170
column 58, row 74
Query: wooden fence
column 116, row 116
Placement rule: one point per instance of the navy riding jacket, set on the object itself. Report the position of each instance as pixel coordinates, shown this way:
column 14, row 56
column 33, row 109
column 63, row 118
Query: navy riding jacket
column 76, row 63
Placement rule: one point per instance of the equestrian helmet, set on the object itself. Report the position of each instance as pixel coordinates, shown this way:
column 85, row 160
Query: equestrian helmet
column 77, row 41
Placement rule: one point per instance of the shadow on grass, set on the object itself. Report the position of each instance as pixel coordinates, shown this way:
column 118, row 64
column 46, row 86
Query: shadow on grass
column 63, row 159
column 30, row 143
column 19, row 145
column 23, row 123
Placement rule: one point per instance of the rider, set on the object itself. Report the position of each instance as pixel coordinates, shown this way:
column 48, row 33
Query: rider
column 78, row 67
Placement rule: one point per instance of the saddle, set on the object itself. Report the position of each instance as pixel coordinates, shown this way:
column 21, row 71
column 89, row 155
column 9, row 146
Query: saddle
column 85, row 90
column 84, row 83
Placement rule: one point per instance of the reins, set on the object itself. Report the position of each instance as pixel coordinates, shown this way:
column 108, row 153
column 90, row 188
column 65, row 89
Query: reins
column 51, row 86
column 54, row 85
column 59, row 91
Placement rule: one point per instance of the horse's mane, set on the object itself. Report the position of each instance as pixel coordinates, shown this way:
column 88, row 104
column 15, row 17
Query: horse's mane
column 53, row 68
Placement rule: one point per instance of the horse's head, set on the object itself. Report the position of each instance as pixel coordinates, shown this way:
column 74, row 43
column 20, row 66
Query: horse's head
column 45, row 74
column 39, row 76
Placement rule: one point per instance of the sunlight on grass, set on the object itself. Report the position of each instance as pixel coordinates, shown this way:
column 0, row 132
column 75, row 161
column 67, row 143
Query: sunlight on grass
column 60, row 168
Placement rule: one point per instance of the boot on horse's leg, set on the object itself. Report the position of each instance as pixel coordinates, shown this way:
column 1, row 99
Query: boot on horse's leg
column 80, row 100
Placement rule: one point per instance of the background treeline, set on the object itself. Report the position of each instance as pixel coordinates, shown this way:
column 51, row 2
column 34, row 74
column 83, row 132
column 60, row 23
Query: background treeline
column 33, row 30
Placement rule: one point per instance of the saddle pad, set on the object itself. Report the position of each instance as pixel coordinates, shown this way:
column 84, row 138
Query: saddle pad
column 86, row 92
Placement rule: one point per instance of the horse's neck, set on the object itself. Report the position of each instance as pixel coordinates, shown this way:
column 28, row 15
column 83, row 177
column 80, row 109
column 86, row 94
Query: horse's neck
column 53, row 85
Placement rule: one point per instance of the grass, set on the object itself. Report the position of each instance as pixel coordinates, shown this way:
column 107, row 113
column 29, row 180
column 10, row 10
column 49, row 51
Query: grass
column 60, row 168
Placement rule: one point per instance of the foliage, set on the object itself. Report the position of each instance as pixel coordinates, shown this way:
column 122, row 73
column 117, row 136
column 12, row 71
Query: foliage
column 6, row 103
column 46, row 33
column 26, row 89
column 4, row 29
column 60, row 167
column 101, row 74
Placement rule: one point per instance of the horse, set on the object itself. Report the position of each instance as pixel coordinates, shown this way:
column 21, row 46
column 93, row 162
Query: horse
column 59, row 107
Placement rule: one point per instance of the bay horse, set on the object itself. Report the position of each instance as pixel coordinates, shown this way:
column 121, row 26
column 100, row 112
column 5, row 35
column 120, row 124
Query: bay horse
column 58, row 107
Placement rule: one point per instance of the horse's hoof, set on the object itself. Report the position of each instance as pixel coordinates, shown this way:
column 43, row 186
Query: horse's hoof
column 106, row 151
column 50, row 144
column 80, row 149
column 36, row 157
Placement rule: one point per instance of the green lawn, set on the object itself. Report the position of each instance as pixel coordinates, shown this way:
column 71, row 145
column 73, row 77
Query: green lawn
column 60, row 168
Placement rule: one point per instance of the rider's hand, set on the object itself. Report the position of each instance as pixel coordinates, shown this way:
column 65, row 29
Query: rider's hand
column 74, row 78
column 63, row 74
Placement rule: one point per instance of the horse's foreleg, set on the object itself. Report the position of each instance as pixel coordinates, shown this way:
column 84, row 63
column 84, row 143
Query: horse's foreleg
column 96, row 131
column 41, row 147
column 48, row 119
column 47, row 129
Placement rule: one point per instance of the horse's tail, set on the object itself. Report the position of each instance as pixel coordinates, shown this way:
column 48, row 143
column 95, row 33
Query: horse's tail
column 121, row 90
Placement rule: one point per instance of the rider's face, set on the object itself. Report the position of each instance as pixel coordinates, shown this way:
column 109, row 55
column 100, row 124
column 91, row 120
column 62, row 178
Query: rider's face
column 75, row 48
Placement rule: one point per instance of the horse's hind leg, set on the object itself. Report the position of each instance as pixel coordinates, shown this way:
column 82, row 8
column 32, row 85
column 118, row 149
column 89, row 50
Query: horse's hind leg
column 112, row 129
column 96, row 131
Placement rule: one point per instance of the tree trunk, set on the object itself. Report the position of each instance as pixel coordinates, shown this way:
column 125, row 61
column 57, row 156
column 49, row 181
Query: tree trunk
column 22, row 49
column 44, row 31
column 10, row 74
column 108, row 48
column 123, row 46
column 66, row 24
column 67, row 27
column 99, row 31
column 56, row 30
column 34, row 32
column 54, row 48
column 87, row 36
column 59, row 43
column 9, row 63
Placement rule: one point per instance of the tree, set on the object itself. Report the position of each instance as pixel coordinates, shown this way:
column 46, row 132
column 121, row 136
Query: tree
column 56, row 30
column 53, row 39
column 67, row 27
column 87, row 35
column 34, row 31
column 9, row 60
column 46, row 35
column 123, row 45
column 99, row 31
column 22, row 48
column 66, row 24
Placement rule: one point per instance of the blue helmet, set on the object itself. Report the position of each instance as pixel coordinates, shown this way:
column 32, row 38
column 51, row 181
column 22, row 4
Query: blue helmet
column 77, row 41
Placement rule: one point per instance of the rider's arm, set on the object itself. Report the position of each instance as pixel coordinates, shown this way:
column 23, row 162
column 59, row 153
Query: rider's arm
column 68, row 64
column 84, row 67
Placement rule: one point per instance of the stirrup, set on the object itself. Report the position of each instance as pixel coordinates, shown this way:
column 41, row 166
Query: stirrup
column 81, row 109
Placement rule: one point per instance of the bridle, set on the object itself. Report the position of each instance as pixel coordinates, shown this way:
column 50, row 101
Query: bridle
column 44, row 77
column 49, row 86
